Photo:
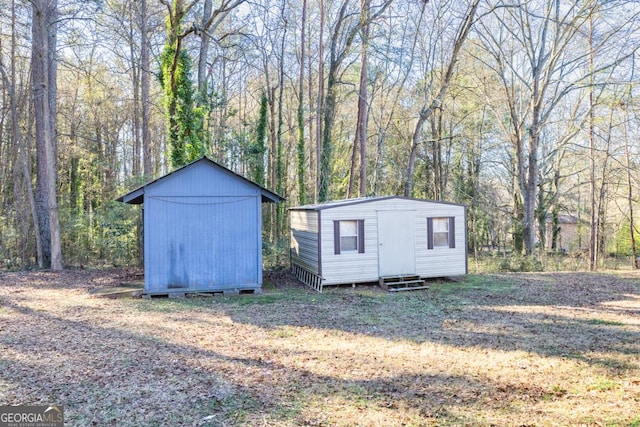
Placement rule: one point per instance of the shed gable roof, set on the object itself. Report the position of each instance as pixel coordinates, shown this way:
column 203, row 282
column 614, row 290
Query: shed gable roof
column 362, row 200
column 136, row 196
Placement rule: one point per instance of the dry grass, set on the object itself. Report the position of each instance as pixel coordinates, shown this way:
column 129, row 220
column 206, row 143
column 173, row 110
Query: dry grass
column 513, row 349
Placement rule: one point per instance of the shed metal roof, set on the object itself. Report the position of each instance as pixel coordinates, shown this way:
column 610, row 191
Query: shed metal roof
column 354, row 201
column 136, row 196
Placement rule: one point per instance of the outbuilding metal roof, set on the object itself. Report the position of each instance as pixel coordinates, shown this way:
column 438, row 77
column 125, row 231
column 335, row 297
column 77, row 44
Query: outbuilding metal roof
column 136, row 196
column 358, row 200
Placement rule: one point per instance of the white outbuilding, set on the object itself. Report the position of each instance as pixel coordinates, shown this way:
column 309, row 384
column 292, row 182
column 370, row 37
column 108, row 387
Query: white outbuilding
column 396, row 241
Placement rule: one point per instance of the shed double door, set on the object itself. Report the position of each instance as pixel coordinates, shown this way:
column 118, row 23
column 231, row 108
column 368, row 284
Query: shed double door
column 396, row 243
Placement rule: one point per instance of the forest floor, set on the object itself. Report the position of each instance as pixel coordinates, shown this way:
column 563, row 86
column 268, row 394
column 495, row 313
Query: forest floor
column 539, row 349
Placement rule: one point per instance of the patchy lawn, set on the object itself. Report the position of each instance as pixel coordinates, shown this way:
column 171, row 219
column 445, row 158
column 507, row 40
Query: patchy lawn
column 506, row 350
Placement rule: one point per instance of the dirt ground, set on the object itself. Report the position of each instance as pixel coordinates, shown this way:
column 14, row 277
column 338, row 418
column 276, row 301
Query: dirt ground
column 556, row 349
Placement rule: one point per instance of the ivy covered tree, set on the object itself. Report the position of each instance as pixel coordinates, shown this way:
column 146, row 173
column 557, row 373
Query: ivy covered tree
column 257, row 148
column 184, row 119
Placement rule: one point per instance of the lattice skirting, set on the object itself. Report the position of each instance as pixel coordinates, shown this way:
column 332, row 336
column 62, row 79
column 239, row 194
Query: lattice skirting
column 307, row 277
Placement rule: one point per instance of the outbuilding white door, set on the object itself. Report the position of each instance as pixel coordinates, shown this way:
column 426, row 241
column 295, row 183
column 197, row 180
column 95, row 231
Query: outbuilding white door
column 396, row 243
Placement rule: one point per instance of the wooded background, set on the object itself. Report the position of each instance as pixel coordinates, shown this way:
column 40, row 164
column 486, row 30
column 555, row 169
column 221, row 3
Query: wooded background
column 524, row 111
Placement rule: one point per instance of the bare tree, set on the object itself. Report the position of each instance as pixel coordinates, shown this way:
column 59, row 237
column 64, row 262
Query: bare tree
column 534, row 52
column 436, row 95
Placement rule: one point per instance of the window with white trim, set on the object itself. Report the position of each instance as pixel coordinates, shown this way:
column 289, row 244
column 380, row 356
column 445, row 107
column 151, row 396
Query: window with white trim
column 441, row 232
column 348, row 236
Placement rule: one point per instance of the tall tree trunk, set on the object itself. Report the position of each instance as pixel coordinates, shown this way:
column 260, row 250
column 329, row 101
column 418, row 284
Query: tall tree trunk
column 529, row 229
column 280, row 174
column 204, row 50
column 360, row 139
column 144, row 90
column 273, row 136
column 327, row 144
column 555, row 210
column 593, row 215
column 135, row 78
column 436, row 155
column 601, row 203
column 44, row 29
column 301, row 151
column 39, row 76
column 320, row 101
column 256, row 171
column 363, row 107
column 632, row 227
column 52, row 70
column 311, row 122
column 625, row 128
column 329, row 111
column 271, row 161
column 415, row 141
column 202, row 96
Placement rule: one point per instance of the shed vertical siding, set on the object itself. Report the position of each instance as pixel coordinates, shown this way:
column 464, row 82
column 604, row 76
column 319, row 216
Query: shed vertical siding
column 202, row 232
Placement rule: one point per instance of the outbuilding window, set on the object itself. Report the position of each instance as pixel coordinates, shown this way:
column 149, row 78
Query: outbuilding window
column 441, row 232
column 348, row 236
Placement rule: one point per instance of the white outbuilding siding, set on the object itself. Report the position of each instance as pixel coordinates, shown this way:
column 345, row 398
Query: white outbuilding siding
column 395, row 239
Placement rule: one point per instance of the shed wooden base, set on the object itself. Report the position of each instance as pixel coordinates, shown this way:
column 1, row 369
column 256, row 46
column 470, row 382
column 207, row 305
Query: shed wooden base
column 202, row 293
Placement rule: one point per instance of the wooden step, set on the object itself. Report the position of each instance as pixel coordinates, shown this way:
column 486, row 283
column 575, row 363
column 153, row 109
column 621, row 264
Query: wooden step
column 402, row 283
column 399, row 278
column 409, row 288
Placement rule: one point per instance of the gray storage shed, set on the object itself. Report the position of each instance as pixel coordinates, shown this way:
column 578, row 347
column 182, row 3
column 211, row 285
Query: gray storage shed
column 397, row 241
column 202, row 230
